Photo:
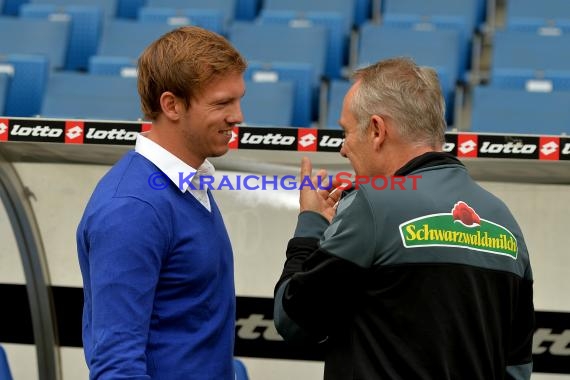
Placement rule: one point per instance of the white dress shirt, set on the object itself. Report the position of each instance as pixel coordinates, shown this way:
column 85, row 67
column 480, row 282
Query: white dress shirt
column 176, row 169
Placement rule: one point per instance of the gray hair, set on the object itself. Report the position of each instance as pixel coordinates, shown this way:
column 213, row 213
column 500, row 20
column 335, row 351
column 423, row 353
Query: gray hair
column 410, row 95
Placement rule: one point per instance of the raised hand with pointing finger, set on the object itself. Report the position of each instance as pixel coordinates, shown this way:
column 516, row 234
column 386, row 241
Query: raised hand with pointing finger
column 322, row 197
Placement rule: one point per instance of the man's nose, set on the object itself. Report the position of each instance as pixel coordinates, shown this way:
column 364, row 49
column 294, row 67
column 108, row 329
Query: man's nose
column 235, row 116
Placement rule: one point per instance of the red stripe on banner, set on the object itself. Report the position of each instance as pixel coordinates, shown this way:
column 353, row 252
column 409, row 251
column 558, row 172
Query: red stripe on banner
column 4, row 129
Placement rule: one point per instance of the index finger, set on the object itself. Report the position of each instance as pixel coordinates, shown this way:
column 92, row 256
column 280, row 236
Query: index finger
column 306, row 168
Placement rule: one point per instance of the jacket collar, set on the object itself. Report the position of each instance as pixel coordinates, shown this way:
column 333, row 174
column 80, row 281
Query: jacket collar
column 427, row 160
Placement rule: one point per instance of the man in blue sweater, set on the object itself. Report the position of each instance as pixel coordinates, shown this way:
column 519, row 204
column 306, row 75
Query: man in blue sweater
column 155, row 257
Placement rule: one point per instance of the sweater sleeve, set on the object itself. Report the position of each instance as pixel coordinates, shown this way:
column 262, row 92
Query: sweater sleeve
column 126, row 242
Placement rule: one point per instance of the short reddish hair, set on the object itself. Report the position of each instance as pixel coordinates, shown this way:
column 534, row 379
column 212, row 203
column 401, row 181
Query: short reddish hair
column 183, row 61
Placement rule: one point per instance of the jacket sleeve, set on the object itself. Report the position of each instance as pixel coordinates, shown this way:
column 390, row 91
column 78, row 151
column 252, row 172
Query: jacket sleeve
column 126, row 243
column 323, row 270
column 519, row 365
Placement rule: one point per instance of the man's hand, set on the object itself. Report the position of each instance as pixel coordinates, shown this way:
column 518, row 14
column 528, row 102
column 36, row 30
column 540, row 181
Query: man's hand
column 323, row 197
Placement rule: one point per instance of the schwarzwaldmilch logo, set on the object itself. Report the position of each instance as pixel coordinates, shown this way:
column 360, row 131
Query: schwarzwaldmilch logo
column 463, row 228
column 465, row 215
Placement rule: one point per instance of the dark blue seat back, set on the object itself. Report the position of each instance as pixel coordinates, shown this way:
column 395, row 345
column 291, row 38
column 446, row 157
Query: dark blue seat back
column 517, row 111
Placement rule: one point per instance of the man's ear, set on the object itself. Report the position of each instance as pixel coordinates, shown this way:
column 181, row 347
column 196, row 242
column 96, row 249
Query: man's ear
column 377, row 130
column 170, row 105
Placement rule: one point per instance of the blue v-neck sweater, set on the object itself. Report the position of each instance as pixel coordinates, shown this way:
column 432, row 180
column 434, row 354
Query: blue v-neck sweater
column 158, row 280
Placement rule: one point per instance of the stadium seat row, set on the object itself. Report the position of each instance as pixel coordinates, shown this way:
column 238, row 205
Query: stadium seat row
column 70, row 95
column 234, row 9
column 86, row 96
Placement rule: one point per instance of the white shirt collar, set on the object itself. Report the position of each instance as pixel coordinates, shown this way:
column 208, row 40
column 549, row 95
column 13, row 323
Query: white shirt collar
column 176, row 169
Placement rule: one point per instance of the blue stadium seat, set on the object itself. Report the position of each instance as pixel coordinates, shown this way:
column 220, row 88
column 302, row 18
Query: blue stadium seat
column 300, row 74
column 344, row 7
column 444, row 11
column 247, row 10
column 435, row 15
column 285, row 53
column 438, row 49
column 4, row 82
column 519, row 57
column 336, row 15
column 337, row 39
column 546, row 16
column 211, row 19
column 87, row 96
column 517, row 111
column 227, row 7
column 33, row 36
column 122, row 41
column 337, row 91
column 85, row 29
column 26, row 85
column 268, row 104
column 482, row 11
column 12, row 7
column 5, row 373
column 362, row 11
column 129, row 9
column 109, row 7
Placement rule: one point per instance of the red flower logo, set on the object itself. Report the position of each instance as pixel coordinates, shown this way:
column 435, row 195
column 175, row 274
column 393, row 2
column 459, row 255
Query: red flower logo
column 465, row 214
